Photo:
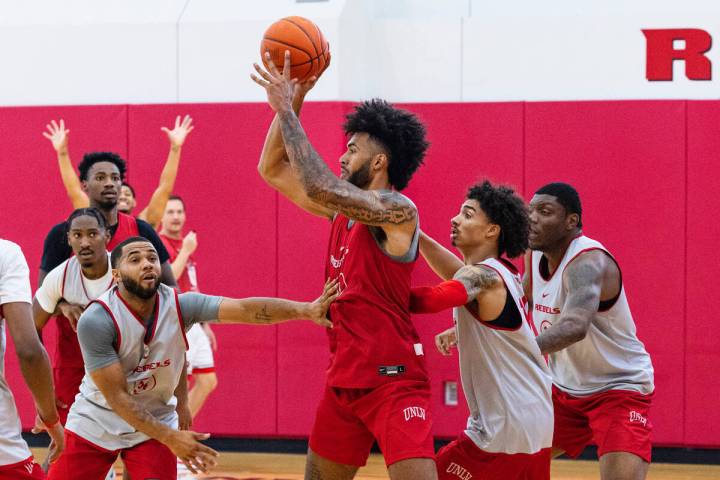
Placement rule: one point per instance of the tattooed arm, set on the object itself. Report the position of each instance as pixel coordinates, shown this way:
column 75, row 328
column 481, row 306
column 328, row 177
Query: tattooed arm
column 275, row 310
column 478, row 280
column 582, row 279
column 390, row 209
column 275, row 168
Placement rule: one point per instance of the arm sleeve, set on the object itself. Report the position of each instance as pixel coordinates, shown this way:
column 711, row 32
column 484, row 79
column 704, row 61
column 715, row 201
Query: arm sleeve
column 448, row 294
column 146, row 230
column 50, row 292
column 55, row 249
column 14, row 274
column 196, row 307
column 98, row 338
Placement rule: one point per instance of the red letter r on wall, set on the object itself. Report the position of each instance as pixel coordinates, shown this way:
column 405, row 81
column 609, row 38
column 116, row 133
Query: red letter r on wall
column 661, row 53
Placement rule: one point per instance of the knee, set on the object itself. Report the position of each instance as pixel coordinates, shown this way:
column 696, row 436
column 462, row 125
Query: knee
column 207, row 382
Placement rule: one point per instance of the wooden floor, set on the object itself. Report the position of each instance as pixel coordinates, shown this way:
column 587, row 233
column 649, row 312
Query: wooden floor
column 256, row 466
column 266, row 466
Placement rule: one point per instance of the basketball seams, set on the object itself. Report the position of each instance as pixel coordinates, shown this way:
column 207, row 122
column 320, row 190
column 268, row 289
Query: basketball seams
column 296, row 32
column 288, row 19
column 309, row 55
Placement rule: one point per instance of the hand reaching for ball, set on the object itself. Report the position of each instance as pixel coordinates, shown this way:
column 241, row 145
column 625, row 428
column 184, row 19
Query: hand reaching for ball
column 280, row 88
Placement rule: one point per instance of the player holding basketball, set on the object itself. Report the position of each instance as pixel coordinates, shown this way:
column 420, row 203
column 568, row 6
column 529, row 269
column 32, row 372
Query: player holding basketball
column 153, row 212
column 505, row 379
column 133, row 343
column 602, row 375
column 16, row 461
column 377, row 385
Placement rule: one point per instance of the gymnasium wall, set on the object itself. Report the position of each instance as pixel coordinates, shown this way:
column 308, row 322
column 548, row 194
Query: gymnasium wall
column 646, row 171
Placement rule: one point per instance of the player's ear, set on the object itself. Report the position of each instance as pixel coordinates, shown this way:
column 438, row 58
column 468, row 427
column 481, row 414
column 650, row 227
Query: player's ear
column 116, row 276
column 572, row 221
column 379, row 161
column 84, row 187
column 493, row 230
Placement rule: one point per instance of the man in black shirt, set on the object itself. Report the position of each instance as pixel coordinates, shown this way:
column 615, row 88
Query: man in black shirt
column 101, row 174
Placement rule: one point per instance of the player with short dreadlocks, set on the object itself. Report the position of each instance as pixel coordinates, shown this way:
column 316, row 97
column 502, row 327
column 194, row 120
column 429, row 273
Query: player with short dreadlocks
column 377, row 384
column 504, row 376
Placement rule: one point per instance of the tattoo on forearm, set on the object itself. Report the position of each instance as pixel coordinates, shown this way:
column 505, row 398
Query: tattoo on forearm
column 263, row 316
column 322, row 186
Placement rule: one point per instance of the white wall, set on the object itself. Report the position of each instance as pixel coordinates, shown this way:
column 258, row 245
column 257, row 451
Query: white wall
column 90, row 51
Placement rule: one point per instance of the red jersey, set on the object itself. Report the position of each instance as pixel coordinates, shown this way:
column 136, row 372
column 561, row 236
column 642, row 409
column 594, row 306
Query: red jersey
column 372, row 341
column 68, row 349
column 188, row 280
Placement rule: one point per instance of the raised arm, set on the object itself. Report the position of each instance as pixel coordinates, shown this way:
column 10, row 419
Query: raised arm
column 388, row 210
column 59, row 136
column 442, row 261
column 582, row 279
column 274, row 166
column 154, row 210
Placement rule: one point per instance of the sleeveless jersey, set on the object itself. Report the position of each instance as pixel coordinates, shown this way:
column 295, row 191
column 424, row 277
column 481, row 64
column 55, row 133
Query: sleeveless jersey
column 505, row 379
column 152, row 369
column 13, row 448
column 68, row 350
column 127, row 227
column 372, row 341
column 68, row 353
column 610, row 357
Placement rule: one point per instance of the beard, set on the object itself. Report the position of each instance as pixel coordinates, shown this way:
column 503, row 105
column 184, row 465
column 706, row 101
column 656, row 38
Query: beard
column 361, row 177
column 107, row 205
column 134, row 287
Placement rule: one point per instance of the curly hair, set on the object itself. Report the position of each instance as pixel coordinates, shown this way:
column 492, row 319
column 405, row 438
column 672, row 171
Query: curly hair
column 504, row 208
column 92, row 158
column 401, row 134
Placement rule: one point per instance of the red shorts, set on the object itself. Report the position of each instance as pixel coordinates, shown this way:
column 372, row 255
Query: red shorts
column 25, row 470
column 396, row 414
column 67, row 385
column 462, row 459
column 616, row 421
column 84, row 460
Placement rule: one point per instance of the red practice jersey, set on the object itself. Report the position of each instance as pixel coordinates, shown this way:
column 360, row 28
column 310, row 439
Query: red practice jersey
column 372, row 341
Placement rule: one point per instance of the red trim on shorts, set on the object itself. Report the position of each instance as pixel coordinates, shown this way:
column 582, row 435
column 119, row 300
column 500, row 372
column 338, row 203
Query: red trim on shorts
column 488, row 323
column 18, row 464
column 202, row 370
column 117, row 327
column 180, row 319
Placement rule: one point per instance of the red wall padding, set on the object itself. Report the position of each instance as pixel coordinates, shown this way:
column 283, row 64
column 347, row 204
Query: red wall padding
column 645, row 170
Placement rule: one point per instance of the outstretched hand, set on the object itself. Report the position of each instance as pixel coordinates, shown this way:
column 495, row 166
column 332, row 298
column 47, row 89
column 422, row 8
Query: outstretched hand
column 182, row 129
column 57, row 134
column 317, row 310
column 280, row 88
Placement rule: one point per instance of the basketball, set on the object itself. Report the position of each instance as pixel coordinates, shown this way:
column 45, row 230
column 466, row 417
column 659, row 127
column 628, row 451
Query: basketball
column 309, row 51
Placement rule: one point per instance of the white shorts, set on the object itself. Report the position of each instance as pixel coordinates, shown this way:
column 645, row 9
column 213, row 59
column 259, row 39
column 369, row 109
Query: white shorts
column 199, row 354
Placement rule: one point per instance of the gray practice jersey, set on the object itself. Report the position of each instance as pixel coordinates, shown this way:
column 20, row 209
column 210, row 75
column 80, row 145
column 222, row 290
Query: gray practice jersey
column 152, row 361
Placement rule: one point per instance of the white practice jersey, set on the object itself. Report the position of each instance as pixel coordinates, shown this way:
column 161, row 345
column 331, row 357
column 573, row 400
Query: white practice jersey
column 66, row 281
column 152, row 369
column 14, row 287
column 610, row 357
column 505, row 378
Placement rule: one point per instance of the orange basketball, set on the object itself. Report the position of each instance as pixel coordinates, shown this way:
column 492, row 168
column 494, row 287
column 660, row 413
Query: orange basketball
column 309, row 51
